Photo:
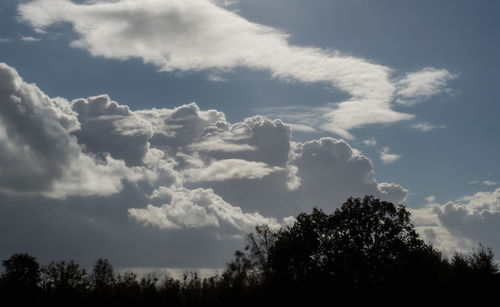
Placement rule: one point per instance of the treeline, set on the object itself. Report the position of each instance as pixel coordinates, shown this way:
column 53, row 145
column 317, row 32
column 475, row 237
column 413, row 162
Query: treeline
column 366, row 250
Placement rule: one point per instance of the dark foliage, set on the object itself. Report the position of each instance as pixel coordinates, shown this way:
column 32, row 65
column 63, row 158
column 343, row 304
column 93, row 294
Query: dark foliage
column 367, row 250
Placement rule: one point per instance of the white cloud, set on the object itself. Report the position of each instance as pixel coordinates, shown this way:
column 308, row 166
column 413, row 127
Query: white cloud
column 39, row 154
column 388, row 157
column 425, row 127
column 217, row 143
column 30, row 39
column 423, row 84
column 303, row 128
column 91, row 165
column 197, row 208
column 370, row 142
column 489, row 183
column 431, row 229
column 215, row 78
column 431, row 199
column 230, row 169
column 90, row 146
column 462, row 224
column 195, row 35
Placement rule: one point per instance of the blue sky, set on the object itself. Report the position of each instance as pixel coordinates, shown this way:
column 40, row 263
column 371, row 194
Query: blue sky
column 449, row 163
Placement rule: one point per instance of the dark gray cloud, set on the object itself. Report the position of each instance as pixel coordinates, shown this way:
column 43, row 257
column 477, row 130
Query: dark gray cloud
column 107, row 127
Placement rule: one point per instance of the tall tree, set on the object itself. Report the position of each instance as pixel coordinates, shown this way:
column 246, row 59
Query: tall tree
column 102, row 277
column 22, row 271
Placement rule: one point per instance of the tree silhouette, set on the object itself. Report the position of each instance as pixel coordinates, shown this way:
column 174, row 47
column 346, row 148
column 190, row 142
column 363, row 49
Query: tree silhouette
column 102, row 276
column 22, row 271
column 65, row 279
column 365, row 244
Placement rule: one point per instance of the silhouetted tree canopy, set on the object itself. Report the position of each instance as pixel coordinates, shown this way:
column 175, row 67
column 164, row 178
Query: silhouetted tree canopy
column 65, row 278
column 365, row 244
column 22, row 271
column 102, row 276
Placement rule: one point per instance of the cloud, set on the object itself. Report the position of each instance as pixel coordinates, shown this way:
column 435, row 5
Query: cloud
column 423, row 84
column 218, row 143
column 431, row 199
column 303, row 128
column 370, row 142
column 30, row 39
column 459, row 225
column 387, row 157
column 489, row 183
column 198, row 35
column 109, row 128
column 226, row 169
column 197, row 208
column 425, row 127
column 38, row 153
column 125, row 183
column 332, row 163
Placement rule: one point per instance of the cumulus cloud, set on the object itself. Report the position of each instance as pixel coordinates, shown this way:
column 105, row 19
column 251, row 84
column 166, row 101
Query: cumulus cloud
column 197, row 208
column 39, row 155
column 195, row 35
column 102, row 167
column 107, row 127
column 459, row 225
column 387, row 157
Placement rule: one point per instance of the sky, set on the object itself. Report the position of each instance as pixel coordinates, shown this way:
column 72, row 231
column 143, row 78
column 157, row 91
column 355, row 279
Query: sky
column 157, row 133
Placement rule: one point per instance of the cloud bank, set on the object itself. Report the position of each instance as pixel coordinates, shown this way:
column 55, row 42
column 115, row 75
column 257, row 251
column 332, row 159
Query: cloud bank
column 131, row 184
column 202, row 35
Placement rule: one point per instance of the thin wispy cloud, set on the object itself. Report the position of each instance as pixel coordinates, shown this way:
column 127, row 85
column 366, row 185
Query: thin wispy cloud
column 420, row 85
column 425, row 127
column 30, row 39
column 489, row 183
column 485, row 182
column 370, row 142
column 387, row 157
